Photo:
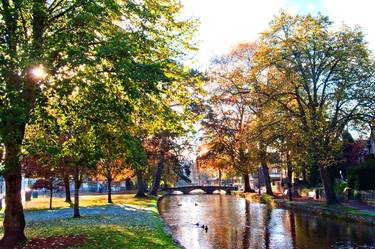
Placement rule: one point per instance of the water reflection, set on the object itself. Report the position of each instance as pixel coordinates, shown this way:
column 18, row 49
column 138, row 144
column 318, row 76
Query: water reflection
column 235, row 223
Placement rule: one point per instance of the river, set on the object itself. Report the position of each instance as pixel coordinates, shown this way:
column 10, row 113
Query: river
column 232, row 222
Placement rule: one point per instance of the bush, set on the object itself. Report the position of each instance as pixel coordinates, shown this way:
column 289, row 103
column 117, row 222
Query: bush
column 356, row 195
column 266, row 199
column 362, row 177
column 339, row 186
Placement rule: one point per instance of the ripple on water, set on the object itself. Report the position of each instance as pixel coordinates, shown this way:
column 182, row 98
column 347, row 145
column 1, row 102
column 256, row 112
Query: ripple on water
column 236, row 223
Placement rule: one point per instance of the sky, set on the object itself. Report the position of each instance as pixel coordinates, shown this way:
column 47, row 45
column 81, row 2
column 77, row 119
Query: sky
column 224, row 23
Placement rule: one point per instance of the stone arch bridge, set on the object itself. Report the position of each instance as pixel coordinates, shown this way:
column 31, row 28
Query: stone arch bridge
column 207, row 189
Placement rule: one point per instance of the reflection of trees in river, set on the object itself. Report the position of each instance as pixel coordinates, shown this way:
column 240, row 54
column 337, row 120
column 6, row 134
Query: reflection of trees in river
column 292, row 228
column 235, row 223
column 325, row 232
column 267, row 219
column 228, row 221
column 222, row 233
column 255, row 227
column 246, row 227
column 287, row 229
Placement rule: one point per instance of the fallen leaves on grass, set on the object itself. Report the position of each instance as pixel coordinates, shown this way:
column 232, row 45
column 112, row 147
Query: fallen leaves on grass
column 55, row 242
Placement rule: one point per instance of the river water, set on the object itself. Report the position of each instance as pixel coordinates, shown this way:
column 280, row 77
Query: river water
column 233, row 222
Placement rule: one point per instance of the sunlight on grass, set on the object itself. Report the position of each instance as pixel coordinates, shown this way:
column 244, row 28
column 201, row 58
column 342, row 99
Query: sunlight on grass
column 42, row 203
column 103, row 231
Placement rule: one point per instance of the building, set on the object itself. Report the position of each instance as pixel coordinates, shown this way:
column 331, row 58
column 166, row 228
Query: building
column 370, row 147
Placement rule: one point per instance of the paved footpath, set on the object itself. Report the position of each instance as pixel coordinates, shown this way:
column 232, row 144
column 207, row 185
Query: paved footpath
column 116, row 213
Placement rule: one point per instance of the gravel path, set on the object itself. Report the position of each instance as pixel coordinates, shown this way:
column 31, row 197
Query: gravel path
column 112, row 214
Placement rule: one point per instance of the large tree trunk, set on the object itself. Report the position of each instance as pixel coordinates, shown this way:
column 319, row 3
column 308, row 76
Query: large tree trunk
column 263, row 163
column 160, row 168
column 328, row 185
column 77, row 185
column 245, row 176
column 303, row 168
column 313, row 176
column 156, row 182
column 109, row 190
column 267, row 179
column 246, row 180
column 68, row 198
column 289, row 170
column 259, row 185
column 314, row 166
column 14, row 220
column 50, row 196
column 141, row 185
column 219, row 177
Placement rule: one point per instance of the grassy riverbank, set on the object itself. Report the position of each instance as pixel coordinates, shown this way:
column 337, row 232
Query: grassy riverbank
column 338, row 211
column 128, row 223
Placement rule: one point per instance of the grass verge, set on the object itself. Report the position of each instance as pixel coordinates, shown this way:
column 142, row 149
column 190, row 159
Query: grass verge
column 106, row 231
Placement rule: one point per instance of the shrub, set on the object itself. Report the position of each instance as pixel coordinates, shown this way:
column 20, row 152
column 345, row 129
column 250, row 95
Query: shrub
column 362, row 177
column 266, row 199
column 340, row 186
column 356, row 195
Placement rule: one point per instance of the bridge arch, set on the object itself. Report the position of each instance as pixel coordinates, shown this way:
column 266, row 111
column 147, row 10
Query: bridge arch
column 218, row 191
column 177, row 192
column 206, row 189
column 197, row 191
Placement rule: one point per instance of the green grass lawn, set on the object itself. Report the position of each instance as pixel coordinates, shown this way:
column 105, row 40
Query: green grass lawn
column 339, row 207
column 105, row 231
column 351, row 210
column 42, row 203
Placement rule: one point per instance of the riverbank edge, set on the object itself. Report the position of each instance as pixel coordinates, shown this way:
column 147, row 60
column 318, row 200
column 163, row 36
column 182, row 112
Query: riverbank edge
column 34, row 229
column 308, row 208
column 167, row 228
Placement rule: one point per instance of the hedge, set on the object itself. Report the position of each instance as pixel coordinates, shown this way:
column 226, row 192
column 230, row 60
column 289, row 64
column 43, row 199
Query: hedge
column 362, row 176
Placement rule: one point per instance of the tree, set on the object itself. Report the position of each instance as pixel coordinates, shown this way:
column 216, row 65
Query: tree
column 47, row 177
column 322, row 78
column 211, row 160
column 65, row 174
column 232, row 108
column 113, row 154
column 159, row 120
column 165, row 151
column 288, row 140
column 36, row 35
column 81, row 148
column 112, row 170
column 49, row 45
column 161, row 162
column 260, row 136
column 137, row 161
column 45, row 140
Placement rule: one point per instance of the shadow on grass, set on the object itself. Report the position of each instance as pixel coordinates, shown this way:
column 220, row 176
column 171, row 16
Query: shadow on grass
column 144, row 231
column 112, row 213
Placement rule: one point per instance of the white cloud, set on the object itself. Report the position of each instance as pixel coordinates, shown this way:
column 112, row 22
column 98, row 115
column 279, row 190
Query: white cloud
column 310, row 8
column 359, row 12
column 227, row 22
column 293, row 9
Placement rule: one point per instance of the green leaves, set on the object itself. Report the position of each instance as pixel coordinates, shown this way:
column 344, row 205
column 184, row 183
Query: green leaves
column 111, row 66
